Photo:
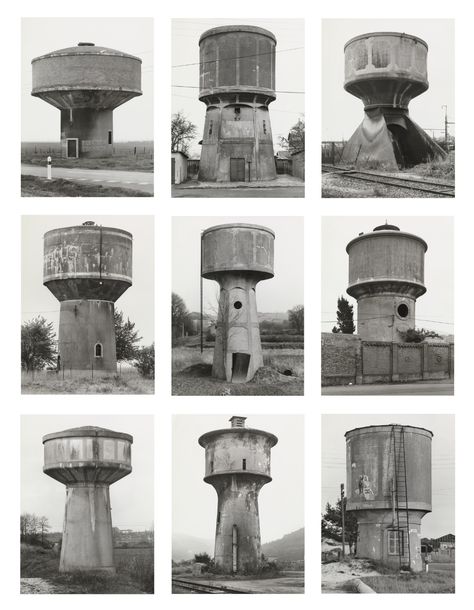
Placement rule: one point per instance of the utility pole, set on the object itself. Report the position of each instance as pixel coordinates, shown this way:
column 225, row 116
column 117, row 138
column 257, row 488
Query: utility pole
column 445, row 126
column 343, row 522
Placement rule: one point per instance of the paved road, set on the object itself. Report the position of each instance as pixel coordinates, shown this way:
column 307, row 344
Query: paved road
column 289, row 191
column 394, row 389
column 140, row 181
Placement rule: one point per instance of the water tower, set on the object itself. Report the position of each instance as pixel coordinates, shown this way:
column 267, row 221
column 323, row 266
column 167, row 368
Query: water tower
column 237, row 84
column 386, row 70
column 386, row 276
column 86, row 83
column 237, row 256
column 87, row 460
column 238, row 466
column 388, row 472
column 87, row 268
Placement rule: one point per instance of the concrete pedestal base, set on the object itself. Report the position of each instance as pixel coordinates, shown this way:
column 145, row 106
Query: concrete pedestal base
column 93, row 130
column 87, row 537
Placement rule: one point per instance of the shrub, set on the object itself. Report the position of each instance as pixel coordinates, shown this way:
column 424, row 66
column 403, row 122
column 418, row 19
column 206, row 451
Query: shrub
column 145, row 361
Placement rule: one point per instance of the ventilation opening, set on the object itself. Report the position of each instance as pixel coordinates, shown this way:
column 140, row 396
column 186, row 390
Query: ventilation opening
column 212, row 466
column 240, row 367
column 98, row 350
column 402, row 310
column 238, row 305
column 244, row 464
column 288, row 372
column 110, row 137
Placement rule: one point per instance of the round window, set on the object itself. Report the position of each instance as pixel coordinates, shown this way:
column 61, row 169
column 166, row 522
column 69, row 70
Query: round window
column 402, row 310
column 238, row 305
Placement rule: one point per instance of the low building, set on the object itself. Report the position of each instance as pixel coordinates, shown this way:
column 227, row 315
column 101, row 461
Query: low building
column 298, row 164
column 179, row 167
column 446, row 542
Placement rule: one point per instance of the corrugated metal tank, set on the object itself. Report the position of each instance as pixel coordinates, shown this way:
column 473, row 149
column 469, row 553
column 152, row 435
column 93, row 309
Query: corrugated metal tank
column 237, row 58
column 386, row 68
column 237, row 247
column 370, row 468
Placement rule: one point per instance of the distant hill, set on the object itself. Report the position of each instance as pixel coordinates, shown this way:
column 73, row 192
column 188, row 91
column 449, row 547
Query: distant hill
column 185, row 547
column 273, row 317
column 288, row 548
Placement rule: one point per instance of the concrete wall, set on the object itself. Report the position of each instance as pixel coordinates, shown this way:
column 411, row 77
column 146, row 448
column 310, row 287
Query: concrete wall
column 298, row 161
column 180, row 167
column 349, row 359
column 93, row 129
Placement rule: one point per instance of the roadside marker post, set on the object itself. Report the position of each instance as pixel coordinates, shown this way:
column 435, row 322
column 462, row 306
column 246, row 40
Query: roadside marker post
column 48, row 167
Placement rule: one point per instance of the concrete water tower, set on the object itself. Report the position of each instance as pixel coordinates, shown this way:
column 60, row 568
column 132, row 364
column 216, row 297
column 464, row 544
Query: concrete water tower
column 386, row 70
column 238, row 466
column 386, row 276
column 86, row 83
column 237, row 84
column 237, row 256
column 87, row 268
column 388, row 472
column 87, row 460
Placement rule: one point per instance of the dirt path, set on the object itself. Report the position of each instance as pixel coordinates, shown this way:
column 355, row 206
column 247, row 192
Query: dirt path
column 40, row 585
column 336, row 575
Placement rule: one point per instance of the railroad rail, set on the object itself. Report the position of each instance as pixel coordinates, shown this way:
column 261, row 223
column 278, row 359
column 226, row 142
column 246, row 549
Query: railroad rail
column 442, row 189
column 200, row 587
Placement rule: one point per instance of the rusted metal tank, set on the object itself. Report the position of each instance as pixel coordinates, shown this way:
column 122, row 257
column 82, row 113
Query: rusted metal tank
column 388, row 471
column 237, row 466
column 237, row 84
column 386, row 276
column 86, row 83
column 237, row 256
column 87, row 460
column 87, row 268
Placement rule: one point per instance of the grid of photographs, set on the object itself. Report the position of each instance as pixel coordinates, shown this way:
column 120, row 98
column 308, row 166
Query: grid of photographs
column 230, row 443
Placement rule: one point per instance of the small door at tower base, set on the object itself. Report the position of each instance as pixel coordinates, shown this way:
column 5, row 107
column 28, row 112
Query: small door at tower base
column 72, row 148
column 237, row 169
column 240, row 367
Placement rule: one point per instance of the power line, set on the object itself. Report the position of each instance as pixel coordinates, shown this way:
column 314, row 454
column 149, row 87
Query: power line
column 200, row 63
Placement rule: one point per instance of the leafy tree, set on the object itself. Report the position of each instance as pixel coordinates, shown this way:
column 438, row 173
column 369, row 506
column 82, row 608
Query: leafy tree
column 345, row 317
column 202, row 558
column 417, row 335
column 331, row 524
column 182, row 133
column 145, row 361
column 296, row 318
column 37, row 344
column 43, row 526
column 295, row 141
column 126, row 337
column 179, row 312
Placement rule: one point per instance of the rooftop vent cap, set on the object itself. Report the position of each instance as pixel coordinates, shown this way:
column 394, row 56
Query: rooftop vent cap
column 85, row 44
column 237, row 421
column 88, row 223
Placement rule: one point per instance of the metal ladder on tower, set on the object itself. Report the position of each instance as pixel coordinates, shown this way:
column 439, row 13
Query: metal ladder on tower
column 402, row 524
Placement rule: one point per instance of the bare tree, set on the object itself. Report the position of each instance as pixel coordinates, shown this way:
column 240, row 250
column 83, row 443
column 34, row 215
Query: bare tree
column 182, row 133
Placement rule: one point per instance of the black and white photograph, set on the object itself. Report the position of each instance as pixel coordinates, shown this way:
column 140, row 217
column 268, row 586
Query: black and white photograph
column 248, row 537
column 87, row 320
column 388, row 504
column 238, row 123
column 387, row 305
column 79, row 531
column 237, row 308
column 388, row 112
column 87, row 107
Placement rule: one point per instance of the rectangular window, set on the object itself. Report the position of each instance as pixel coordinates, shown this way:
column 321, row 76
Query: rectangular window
column 264, row 127
column 394, row 536
column 212, row 466
column 244, row 464
column 110, row 137
column 210, row 128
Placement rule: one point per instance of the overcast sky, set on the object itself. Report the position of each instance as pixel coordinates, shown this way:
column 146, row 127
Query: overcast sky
column 281, row 502
column 137, row 301
column 289, row 71
column 42, row 495
column 333, row 450
column 282, row 292
column 342, row 112
column 434, row 309
column 40, row 122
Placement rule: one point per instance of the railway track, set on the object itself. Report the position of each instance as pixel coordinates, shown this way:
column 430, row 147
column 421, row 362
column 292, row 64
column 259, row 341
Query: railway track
column 199, row 587
column 442, row 189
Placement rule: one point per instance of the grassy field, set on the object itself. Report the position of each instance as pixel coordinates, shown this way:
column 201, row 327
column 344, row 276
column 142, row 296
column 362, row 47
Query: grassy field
column 433, row 582
column 34, row 186
column 282, row 374
column 129, row 382
column 135, row 572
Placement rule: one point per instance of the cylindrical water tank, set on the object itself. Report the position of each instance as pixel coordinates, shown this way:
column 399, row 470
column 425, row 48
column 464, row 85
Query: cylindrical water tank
column 237, row 58
column 370, row 467
column 237, row 247
column 87, row 262
column 386, row 256
column 386, row 68
column 86, row 76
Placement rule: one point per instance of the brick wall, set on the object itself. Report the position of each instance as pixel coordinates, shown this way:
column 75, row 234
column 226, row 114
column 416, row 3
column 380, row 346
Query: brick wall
column 340, row 358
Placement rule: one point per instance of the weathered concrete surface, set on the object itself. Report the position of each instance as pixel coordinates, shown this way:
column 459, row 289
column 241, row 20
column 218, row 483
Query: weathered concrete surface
column 237, row 83
column 237, row 466
column 421, row 388
column 87, row 268
column 371, row 477
column 386, row 276
column 87, row 460
column 237, row 256
column 386, row 70
column 86, row 83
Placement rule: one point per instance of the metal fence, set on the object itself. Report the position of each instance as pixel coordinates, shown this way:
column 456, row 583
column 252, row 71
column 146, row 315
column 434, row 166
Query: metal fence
column 331, row 152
